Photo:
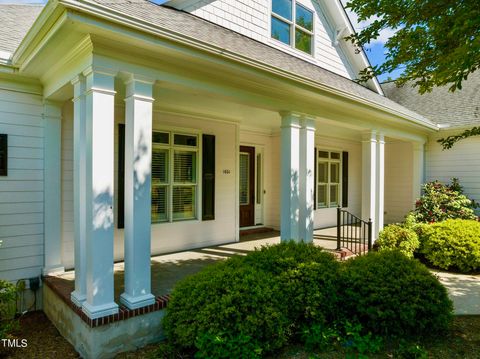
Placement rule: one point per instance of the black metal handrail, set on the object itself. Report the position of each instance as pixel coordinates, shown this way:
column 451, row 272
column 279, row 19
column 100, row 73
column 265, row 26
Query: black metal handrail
column 353, row 233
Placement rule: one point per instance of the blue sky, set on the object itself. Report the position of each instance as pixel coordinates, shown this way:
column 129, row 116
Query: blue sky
column 375, row 51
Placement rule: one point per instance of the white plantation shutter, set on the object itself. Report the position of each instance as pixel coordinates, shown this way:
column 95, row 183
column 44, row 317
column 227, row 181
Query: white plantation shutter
column 184, row 167
column 160, row 184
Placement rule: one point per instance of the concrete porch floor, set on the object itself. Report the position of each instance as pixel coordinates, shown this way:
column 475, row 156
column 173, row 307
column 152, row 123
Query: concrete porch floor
column 168, row 269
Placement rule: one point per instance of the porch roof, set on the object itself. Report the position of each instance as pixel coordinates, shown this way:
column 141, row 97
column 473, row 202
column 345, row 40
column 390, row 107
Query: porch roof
column 246, row 49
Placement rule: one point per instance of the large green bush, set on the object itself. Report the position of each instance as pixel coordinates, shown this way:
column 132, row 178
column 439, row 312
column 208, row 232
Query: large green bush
column 440, row 202
column 398, row 237
column 392, row 295
column 227, row 300
column 7, row 307
column 452, row 244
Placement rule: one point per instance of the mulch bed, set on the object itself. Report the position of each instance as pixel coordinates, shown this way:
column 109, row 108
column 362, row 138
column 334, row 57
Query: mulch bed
column 44, row 342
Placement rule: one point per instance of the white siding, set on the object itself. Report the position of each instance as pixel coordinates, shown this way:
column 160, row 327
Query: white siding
column 252, row 18
column 398, row 180
column 462, row 162
column 21, row 192
column 166, row 237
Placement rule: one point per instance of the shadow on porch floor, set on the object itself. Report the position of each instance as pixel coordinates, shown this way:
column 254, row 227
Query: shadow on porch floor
column 168, row 269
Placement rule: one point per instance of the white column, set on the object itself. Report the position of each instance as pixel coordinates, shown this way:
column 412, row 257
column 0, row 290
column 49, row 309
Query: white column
column 418, row 171
column 289, row 181
column 138, row 167
column 99, row 120
column 369, row 186
column 78, row 296
column 52, row 119
column 307, row 164
column 380, row 183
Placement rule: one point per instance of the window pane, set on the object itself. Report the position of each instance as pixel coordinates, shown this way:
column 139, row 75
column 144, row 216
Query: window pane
column 334, row 172
column 333, row 195
column 259, row 179
column 280, row 31
column 184, row 167
column 159, row 165
column 282, row 8
column 335, row 156
column 244, row 178
column 304, row 17
column 183, row 202
column 322, row 172
column 161, row 137
column 159, row 203
column 185, row 140
column 322, row 154
column 322, row 195
column 303, row 41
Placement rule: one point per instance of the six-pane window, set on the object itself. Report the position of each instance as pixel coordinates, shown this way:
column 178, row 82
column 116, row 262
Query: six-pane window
column 174, row 176
column 328, row 179
column 292, row 24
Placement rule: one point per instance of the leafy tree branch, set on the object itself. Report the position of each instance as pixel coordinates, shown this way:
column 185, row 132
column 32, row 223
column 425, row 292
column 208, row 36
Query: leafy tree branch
column 449, row 141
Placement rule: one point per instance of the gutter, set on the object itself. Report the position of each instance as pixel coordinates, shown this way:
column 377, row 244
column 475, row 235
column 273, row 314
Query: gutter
column 121, row 18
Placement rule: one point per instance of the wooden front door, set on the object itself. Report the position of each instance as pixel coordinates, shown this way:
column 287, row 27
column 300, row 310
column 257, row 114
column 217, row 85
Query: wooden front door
column 247, row 186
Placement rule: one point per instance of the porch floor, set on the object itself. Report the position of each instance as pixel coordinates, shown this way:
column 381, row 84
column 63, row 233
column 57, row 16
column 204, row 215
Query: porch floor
column 168, row 269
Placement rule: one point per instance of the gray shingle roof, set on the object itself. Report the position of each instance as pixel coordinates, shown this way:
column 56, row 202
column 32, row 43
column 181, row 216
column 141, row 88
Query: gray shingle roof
column 460, row 108
column 16, row 20
column 209, row 33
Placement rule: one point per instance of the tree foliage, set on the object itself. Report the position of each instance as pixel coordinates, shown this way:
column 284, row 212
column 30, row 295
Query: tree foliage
column 449, row 141
column 436, row 41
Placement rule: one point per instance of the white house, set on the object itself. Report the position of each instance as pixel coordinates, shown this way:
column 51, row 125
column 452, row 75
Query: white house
column 130, row 129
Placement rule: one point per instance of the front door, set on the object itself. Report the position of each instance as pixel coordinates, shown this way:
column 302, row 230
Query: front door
column 247, row 186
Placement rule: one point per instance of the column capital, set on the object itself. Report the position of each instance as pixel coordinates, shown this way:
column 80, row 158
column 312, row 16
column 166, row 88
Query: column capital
column 99, row 80
column 138, row 87
column 369, row 136
column 290, row 119
column 308, row 122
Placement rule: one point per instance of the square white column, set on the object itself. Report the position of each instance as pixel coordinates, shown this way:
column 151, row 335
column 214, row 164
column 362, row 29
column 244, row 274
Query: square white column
column 369, row 177
column 138, row 168
column 307, row 170
column 79, row 295
column 99, row 159
column 380, row 183
column 290, row 177
column 418, row 171
column 52, row 120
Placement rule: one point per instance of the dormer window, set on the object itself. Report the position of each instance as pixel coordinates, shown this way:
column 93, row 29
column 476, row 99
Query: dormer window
column 292, row 24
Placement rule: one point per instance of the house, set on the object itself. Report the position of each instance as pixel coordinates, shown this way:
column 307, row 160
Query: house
column 454, row 112
column 130, row 129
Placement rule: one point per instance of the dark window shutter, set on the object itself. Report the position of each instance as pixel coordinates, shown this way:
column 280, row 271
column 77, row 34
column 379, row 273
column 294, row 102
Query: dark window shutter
column 315, row 180
column 121, row 176
column 3, row 155
column 345, row 179
column 208, row 178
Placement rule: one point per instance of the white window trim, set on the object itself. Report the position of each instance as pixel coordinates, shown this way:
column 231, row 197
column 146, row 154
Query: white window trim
column 171, row 147
column 328, row 184
column 293, row 27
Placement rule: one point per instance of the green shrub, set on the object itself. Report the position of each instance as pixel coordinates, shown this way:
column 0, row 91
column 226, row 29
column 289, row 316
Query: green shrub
column 452, row 244
column 392, row 295
column 7, row 307
column 398, row 237
column 228, row 300
column 308, row 277
column 440, row 202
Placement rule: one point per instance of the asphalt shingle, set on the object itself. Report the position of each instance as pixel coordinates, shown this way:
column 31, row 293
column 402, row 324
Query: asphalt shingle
column 15, row 21
column 460, row 108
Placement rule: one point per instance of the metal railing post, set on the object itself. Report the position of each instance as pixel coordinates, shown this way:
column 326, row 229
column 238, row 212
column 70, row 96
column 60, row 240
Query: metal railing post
column 370, row 225
column 339, row 213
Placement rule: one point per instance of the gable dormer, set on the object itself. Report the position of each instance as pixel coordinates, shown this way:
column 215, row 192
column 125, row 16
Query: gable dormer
column 312, row 30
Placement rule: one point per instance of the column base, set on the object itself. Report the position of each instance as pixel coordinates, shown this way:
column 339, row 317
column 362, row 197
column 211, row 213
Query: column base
column 99, row 311
column 54, row 269
column 77, row 298
column 137, row 302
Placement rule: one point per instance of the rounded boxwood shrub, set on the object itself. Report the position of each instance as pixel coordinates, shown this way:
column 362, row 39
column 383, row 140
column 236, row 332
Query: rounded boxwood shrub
column 227, row 301
column 398, row 237
column 392, row 295
column 308, row 277
column 452, row 244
